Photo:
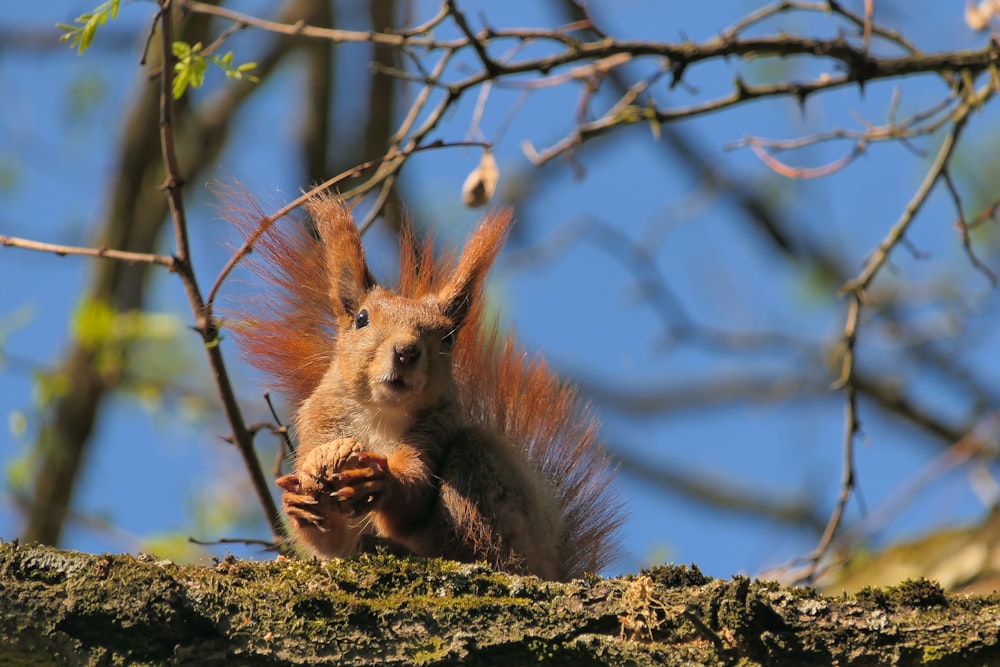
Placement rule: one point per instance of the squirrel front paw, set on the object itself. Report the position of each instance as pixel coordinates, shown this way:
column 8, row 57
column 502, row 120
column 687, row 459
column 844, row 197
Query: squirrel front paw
column 335, row 478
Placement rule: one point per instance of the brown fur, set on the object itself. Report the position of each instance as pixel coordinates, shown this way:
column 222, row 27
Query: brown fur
column 474, row 452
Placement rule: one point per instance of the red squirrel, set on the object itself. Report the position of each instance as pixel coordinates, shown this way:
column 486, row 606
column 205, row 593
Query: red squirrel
column 418, row 424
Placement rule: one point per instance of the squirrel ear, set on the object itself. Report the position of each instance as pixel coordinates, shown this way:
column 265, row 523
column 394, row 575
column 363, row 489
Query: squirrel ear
column 346, row 267
column 481, row 249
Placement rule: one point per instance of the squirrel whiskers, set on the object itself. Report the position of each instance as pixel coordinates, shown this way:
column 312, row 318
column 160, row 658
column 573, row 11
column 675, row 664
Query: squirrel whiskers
column 419, row 424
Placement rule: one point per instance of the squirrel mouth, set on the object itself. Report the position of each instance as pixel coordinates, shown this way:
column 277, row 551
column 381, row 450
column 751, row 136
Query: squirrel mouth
column 393, row 383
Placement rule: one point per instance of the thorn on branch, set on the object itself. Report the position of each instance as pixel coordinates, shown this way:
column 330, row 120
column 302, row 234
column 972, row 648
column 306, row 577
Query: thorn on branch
column 677, row 69
column 741, row 88
column 801, row 95
column 173, row 182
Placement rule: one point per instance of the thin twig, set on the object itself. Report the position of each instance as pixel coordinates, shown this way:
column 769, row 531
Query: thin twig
column 782, row 169
column 301, row 28
column 963, row 228
column 852, row 427
column 62, row 250
column 759, row 15
column 286, row 448
column 425, row 27
column 860, row 21
column 380, row 199
column 919, row 124
column 221, row 39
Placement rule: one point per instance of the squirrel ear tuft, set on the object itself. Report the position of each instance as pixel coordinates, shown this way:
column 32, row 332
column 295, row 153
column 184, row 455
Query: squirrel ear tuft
column 482, row 248
column 346, row 266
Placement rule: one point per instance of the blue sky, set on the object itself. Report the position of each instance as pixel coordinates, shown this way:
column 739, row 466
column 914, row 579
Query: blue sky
column 150, row 467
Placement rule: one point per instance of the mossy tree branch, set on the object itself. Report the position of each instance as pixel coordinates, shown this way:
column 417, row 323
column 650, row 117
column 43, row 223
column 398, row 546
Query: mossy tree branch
column 61, row 606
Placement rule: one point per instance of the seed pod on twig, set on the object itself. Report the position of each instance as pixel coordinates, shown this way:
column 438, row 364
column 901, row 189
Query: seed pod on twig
column 979, row 16
column 481, row 182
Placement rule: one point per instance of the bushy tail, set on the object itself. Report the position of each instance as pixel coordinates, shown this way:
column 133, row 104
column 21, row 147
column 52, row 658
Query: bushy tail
column 286, row 327
column 505, row 389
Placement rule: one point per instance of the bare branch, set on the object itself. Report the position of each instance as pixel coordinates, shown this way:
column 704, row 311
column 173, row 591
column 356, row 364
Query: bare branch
column 303, row 29
column 852, row 426
column 62, row 250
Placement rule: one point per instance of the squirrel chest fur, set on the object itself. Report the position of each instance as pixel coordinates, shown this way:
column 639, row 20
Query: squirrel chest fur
column 418, row 425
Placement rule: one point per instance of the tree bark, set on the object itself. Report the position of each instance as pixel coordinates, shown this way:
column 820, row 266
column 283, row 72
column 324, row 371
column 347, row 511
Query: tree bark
column 62, row 607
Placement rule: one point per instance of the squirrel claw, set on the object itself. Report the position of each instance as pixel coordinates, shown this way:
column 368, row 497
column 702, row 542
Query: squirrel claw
column 302, row 515
column 352, row 475
column 370, row 491
column 318, row 526
column 345, row 493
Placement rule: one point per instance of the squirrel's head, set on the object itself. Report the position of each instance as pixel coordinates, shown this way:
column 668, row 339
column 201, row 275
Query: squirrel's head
column 395, row 353
column 393, row 350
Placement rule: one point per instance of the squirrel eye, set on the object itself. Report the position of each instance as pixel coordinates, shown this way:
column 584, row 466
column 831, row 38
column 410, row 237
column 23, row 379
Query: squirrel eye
column 449, row 340
column 361, row 321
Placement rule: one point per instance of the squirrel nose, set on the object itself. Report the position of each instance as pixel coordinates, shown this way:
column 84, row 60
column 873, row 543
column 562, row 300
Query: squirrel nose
column 406, row 354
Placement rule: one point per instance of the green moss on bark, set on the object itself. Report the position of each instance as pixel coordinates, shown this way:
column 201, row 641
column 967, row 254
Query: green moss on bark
column 60, row 607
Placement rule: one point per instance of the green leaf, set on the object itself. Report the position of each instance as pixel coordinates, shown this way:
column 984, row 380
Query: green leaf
column 189, row 71
column 81, row 35
column 238, row 73
column 190, row 68
column 181, row 50
column 93, row 323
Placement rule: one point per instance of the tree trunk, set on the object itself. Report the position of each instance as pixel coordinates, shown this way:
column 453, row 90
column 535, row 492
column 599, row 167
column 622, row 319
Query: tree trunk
column 61, row 607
